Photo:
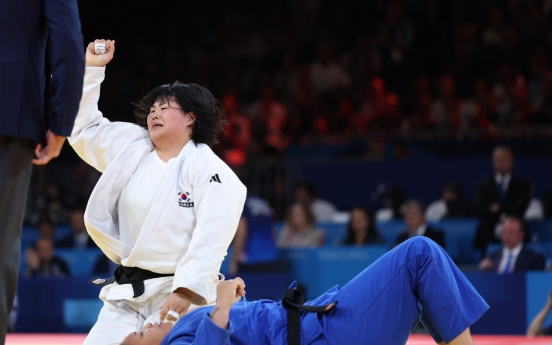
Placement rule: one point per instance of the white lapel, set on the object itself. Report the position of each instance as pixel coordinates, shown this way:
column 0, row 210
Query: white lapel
column 159, row 202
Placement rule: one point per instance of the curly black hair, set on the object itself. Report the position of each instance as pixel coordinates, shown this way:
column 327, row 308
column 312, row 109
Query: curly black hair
column 210, row 116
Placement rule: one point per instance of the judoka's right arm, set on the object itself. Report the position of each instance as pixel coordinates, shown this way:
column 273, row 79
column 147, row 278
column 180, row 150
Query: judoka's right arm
column 95, row 139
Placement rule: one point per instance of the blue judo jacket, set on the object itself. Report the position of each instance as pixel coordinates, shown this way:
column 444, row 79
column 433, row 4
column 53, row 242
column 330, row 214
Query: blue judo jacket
column 257, row 322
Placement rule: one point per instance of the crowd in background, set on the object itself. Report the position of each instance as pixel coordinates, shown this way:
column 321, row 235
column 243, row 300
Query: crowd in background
column 298, row 72
column 296, row 75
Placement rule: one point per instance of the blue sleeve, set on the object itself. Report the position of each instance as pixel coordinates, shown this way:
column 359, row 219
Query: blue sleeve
column 207, row 334
column 66, row 53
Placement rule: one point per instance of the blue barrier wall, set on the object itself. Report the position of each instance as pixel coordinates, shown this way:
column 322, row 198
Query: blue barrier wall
column 71, row 305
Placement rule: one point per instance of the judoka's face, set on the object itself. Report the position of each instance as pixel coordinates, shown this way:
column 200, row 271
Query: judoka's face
column 168, row 123
column 151, row 334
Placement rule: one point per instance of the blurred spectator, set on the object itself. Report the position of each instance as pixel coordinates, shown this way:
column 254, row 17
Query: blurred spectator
column 536, row 327
column 414, row 219
column 104, row 266
column 46, row 229
column 513, row 257
column 451, row 205
column 254, row 240
column 42, row 262
column 238, row 133
column 361, row 230
column 299, row 230
column 53, row 204
column 79, row 238
column 12, row 318
column 268, row 118
column 307, row 194
column 445, row 115
column 392, row 202
column 326, row 74
column 497, row 196
column 535, row 210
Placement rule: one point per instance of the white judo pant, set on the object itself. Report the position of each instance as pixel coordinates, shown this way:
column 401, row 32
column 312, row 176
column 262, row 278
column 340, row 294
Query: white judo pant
column 119, row 318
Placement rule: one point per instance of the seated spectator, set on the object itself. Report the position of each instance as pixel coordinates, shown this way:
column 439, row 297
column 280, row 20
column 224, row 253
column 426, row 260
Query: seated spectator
column 104, row 266
column 46, row 229
column 79, row 238
column 392, row 201
column 307, row 193
column 414, row 218
column 513, row 257
column 451, row 205
column 299, row 230
column 537, row 325
column 42, row 262
column 254, row 242
column 361, row 230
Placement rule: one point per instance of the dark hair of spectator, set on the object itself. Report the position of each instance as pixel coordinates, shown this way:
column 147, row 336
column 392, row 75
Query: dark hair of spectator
column 413, row 203
column 395, row 196
column 504, row 147
column 371, row 231
column 516, row 219
column 45, row 220
column 308, row 213
column 455, row 188
column 309, row 187
column 210, row 116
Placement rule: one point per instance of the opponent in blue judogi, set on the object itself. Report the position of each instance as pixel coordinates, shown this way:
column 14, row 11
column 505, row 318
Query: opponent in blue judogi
column 415, row 281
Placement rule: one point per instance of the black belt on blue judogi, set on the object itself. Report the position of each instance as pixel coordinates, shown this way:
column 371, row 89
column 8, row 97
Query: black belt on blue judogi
column 293, row 300
column 129, row 275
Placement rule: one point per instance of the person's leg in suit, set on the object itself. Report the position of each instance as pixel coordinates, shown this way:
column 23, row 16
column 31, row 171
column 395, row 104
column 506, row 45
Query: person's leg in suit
column 15, row 174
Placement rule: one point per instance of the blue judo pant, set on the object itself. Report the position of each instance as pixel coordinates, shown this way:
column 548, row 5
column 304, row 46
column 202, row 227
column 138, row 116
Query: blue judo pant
column 415, row 281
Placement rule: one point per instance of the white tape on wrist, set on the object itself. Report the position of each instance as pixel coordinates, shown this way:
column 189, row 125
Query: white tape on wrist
column 99, row 48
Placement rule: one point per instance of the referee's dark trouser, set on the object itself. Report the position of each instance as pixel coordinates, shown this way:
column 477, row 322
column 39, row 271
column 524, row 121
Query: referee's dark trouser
column 15, row 174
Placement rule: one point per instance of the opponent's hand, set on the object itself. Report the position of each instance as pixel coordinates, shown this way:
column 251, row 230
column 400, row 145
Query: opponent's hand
column 44, row 154
column 229, row 291
column 99, row 60
column 179, row 301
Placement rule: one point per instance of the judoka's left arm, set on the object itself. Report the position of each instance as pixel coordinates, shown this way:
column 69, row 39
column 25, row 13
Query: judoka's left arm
column 215, row 328
column 218, row 197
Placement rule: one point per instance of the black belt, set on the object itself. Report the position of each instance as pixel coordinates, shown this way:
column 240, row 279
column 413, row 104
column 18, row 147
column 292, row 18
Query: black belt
column 129, row 275
column 293, row 300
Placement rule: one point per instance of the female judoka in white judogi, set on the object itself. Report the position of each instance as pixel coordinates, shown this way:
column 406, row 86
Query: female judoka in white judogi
column 166, row 207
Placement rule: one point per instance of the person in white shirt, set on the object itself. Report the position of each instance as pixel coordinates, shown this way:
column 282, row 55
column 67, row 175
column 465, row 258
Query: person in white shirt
column 513, row 257
column 307, row 194
column 165, row 208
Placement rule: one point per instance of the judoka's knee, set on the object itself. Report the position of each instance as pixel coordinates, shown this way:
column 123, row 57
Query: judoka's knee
column 421, row 245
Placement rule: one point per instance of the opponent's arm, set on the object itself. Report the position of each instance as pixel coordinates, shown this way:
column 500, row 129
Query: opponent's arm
column 537, row 324
column 95, row 139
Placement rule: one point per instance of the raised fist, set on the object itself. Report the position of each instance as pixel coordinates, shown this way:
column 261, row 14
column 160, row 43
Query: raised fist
column 99, row 60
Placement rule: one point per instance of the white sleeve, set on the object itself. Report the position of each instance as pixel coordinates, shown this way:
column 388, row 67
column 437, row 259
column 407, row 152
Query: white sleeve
column 95, row 139
column 219, row 205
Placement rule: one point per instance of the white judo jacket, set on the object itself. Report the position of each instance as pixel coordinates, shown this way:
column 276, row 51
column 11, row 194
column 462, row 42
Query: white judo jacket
column 192, row 220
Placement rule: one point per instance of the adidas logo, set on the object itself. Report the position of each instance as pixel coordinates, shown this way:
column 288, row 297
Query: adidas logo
column 215, row 178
